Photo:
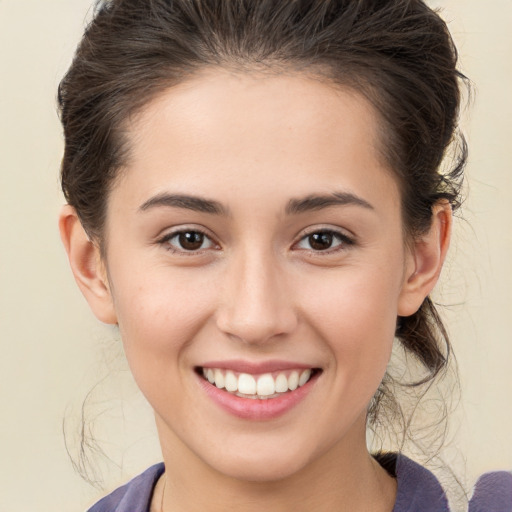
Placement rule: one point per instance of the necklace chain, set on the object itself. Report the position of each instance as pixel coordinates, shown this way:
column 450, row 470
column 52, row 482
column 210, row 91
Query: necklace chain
column 163, row 495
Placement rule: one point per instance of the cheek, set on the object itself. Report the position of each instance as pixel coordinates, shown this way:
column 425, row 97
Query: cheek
column 355, row 314
column 159, row 315
column 159, row 311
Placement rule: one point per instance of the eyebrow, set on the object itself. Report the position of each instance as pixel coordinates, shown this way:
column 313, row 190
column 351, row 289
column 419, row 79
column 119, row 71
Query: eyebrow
column 312, row 202
column 198, row 204
column 318, row 202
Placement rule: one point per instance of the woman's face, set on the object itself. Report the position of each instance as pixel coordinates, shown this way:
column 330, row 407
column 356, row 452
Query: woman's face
column 255, row 236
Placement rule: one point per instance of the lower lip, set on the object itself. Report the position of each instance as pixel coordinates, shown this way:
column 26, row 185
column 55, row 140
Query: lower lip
column 257, row 409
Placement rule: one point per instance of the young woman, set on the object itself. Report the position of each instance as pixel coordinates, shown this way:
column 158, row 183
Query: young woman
column 255, row 199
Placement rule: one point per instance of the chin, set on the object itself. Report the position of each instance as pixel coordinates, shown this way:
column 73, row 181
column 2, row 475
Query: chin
column 266, row 471
column 260, row 466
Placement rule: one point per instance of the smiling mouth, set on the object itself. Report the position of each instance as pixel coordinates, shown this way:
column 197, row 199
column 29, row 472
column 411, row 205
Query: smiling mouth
column 259, row 387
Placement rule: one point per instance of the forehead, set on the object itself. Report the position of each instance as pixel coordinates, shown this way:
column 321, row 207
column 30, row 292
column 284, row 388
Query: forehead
column 305, row 105
column 222, row 129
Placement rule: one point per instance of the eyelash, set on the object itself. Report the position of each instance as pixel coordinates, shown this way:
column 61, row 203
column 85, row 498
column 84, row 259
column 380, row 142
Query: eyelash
column 166, row 239
column 344, row 241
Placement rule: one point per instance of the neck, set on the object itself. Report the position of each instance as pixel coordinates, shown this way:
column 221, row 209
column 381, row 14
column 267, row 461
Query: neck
column 345, row 479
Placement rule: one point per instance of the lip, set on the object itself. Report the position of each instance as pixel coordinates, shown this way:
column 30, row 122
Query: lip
column 256, row 368
column 256, row 409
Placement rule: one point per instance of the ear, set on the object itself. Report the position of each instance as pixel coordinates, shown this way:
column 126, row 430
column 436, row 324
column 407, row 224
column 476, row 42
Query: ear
column 87, row 265
column 425, row 260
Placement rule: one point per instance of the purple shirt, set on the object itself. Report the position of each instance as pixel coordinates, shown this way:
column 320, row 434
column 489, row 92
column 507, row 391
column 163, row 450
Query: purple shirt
column 418, row 490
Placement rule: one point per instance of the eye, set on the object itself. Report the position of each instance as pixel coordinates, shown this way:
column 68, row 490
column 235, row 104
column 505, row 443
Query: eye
column 324, row 240
column 187, row 241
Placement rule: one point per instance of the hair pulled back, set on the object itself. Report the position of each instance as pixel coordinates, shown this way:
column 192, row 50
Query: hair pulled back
column 397, row 53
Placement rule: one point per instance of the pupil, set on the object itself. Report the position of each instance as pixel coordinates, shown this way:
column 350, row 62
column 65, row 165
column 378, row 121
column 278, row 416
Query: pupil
column 191, row 240
column 320, row 241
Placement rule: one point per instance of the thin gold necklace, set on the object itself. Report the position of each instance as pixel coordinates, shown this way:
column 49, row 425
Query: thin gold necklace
column 163, row 494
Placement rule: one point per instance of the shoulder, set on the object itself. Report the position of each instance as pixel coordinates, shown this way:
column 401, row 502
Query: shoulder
column 418, row 490
column 135, row 496
column 492, row 493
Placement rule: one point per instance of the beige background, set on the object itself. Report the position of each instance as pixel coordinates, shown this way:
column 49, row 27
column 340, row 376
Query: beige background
column 53, row 351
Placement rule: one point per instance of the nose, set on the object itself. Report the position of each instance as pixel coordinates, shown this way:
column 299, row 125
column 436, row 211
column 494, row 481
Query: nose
column 256, row 304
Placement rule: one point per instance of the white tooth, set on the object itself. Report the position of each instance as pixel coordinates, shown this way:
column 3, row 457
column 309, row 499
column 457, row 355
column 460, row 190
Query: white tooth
column 266, row 385
column 231, row 382
column 281, row 383
column 205, row 374
column 246, row 384
column 210, row 376
column 293, row 381
column 304, row 377
column 219, row 379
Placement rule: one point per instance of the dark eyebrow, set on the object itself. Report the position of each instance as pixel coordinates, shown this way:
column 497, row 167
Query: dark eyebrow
column 318, row 202
column 198, row 204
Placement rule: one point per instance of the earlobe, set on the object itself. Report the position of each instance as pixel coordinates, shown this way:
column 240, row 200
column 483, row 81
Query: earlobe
column 426, row 260
column 86, row 265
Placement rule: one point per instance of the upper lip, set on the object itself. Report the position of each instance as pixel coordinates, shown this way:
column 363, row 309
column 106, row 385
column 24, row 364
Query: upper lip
column 253, row 367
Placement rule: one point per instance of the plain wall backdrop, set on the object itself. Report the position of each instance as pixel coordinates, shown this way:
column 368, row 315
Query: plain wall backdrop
column 52, row 349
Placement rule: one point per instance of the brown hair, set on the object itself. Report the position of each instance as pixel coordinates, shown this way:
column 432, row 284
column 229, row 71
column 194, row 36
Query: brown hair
column 397, row 53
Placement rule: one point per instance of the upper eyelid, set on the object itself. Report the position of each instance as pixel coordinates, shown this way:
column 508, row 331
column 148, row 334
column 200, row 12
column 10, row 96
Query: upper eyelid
column 344, row 233
column 169, row 233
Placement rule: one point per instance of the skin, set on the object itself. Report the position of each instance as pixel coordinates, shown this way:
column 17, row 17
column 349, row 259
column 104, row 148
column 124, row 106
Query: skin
column 256, row 289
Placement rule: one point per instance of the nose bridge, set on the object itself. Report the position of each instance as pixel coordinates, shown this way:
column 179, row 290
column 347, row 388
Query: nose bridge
column 255, row 304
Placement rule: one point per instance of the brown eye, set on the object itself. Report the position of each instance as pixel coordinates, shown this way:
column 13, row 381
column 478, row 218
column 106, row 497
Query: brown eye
column 191, row 240
column 187, row 241
column 325, row 240
column 321, row 241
